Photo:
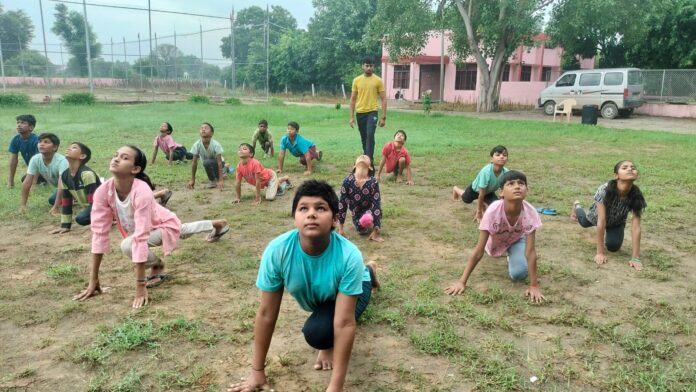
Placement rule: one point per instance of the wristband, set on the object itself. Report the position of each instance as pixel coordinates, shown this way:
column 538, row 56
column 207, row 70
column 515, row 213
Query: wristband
column 258, row 370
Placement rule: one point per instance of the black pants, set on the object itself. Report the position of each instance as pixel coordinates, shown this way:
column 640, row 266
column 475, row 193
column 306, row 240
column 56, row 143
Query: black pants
column 613, row 236
column 469, row 196
column 367, row 125
column 318, row 329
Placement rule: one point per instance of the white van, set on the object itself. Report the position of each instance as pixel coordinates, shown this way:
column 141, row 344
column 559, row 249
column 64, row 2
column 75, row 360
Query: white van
column 615, row 91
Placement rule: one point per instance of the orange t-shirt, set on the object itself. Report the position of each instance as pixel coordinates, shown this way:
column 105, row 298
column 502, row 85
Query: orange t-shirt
column 248, row 172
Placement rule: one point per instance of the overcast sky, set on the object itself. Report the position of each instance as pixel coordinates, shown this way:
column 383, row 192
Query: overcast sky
column 111, row 23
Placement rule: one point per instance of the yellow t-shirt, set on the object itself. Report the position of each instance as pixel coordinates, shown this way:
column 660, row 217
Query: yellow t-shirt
column 368, row 88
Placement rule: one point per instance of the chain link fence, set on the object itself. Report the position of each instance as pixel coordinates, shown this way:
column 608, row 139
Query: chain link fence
column 670, row 85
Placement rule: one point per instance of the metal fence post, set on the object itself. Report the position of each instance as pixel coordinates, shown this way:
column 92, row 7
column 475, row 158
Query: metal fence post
column 125, row 58
column 2, row 69
column 662, row 88
column 48, row 71
column 89, row 56
column 140, row 62
column 176, row 73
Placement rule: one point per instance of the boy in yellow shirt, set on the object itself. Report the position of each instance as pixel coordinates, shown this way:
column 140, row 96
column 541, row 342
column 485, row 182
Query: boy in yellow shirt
column 363, row 101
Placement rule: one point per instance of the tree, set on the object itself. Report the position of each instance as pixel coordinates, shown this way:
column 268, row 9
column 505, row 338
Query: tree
column 603, row 28
column 27, row 63
column 489, row 31
column 16, row 32
column 70, row 26
column 293, row 62
column 669, row 39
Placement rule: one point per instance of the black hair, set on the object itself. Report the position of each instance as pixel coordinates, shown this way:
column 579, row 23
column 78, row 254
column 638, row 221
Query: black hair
column 316, row 188
column 368, row 60
column 170, row 129
column 50, row 136
column 84, row 150
column 294, row 125
column 512, row 175
column 28, row 118
column 263, row 122
column 212, row 130
column 140, row 160
column 635, row 199
column 252, row 150
column 499, row 149
column 401, row 131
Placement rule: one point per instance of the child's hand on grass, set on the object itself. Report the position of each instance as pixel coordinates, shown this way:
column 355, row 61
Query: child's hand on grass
column 455, row 288
column 257, row 201
column 409, row 182
column 141, row 296
column 235, row 201
column 307, row 173
column 636, row 265
column 220, row 184
column 256, row 381
column 478, row 216
column 54, row 211
column 191, row 184
column 534, row 294
column 90, row 291
column 600, row 258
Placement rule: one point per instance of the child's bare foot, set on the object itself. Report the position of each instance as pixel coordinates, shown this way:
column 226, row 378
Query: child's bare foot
column 324, row 360
column 374, row 236
column 373, row 266
column 399, row 179
column 573, row 215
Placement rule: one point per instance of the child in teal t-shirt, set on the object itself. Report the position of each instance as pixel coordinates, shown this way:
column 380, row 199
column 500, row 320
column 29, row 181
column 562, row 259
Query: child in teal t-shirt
column 325, row 273
column 298, row 147
column 483, row 188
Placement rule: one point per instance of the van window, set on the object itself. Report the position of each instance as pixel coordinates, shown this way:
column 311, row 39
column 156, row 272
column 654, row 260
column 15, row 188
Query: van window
column 635, row 77
column 567, row 80
column 613, row 78
column 590, row 79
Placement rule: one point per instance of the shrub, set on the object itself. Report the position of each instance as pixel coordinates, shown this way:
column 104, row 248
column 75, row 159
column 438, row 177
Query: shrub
column 14, row 99
column 275, row 101
column 338, row 105
column 199, row 99
column 78, row 99
column 233, row 101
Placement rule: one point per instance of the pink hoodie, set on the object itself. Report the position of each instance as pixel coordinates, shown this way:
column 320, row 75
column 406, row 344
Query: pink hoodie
column 148, row 215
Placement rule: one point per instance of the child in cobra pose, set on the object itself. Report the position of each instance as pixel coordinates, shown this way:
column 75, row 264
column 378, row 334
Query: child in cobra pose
column 609, row 212
column 172, row 150
column 360, row 194
column 253, row 172
column 483, row 188
column 508, row 226
column 127, row 198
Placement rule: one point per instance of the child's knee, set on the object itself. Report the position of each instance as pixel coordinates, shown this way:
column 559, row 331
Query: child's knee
column 82, row 220
column 318, row 336
column 517, row 269
column 126, row 246
column 613, row 246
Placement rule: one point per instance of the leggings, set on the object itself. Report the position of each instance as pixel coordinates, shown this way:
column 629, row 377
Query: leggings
column 318, row 330
column 613, row 236
column 469, row 196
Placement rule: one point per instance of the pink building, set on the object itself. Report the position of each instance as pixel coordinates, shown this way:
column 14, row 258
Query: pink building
column 528, row 71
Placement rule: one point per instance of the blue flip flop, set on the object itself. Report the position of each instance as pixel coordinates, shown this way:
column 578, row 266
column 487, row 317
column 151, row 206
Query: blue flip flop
column 547, row 211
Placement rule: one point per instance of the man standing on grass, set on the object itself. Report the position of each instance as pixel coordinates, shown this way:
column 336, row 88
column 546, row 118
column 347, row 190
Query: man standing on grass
column 363, row 100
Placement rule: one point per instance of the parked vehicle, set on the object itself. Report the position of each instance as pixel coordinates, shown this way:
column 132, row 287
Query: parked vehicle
column 615, row 91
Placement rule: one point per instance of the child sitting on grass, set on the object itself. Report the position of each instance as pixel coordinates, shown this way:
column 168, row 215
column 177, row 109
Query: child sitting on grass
column 253, row 172
column 47, row 164
column 485, row 184
column 171, row 149
column 127, row 198
column 210, row 151
column 609, row 212
column 508, row 226
column 79, row 184
column 396, row 159
column 263, row 137
column 325, row 273
column 298, row 146
column 360, row 194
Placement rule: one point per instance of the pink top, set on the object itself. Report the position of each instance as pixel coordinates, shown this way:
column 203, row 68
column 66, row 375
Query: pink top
column 147, row 215
column 248, row 172
column 502, row 235
column 165, row 143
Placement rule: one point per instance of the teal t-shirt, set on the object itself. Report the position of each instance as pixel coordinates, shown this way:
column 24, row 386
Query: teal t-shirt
column 487, row 179
column 312, row 280
column 51, row 172
column 299, row 148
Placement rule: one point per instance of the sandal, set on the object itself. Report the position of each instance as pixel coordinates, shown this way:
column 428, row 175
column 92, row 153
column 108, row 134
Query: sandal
column 547, row 211
column 217, row 235
column 161, row 278
column 166, row 197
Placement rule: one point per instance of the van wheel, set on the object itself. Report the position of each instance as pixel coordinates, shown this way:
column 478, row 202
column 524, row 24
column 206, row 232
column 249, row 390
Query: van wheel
column 610, row 111
column 549, row 108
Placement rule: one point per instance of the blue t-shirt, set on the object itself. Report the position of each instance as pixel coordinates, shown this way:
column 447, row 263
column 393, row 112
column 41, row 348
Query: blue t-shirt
column 312, row 280
column 27, row 148
column 487, row 179
column 299, row 148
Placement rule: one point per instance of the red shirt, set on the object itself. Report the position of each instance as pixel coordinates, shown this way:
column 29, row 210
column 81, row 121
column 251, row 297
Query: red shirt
column 392, row 156
column 248, row 172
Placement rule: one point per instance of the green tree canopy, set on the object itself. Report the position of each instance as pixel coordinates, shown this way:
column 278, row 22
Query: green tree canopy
column 16, row 32
column 70, row 27
column 27, row 63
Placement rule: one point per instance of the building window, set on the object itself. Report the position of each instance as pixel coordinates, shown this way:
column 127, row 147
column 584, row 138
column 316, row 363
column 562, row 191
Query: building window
column 526, row 73
column 466, row 77
column 546, row 74
column 506, row 73
column 402, row 75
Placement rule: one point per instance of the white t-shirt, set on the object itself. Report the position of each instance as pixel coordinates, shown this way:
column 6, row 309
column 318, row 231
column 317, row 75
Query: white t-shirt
column 126, row 215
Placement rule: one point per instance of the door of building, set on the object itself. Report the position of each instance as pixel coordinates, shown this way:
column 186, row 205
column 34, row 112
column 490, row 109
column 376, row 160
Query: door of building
column 430, row 80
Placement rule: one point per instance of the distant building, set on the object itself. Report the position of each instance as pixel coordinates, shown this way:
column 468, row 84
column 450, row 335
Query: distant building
column 528, row 71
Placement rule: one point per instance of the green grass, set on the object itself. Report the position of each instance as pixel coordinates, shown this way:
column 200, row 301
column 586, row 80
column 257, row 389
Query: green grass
column 602, row 328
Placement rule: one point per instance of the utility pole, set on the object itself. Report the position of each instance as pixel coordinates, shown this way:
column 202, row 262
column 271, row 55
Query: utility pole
column 268, row 33
column 234, row 71
column 48, row 68
column 125, row 58
column 89, row 56
column 2, row 69
column 149, row 27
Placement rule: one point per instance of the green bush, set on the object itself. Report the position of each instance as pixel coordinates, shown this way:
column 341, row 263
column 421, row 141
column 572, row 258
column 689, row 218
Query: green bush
column 233, row 101
column 338, row 105
column 199, row 99
column 275, row 101
column 78, row 99
column 14, row 99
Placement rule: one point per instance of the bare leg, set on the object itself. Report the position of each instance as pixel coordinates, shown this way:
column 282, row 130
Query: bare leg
column 457, row 193
column 373, row 266
column 400, row 169
column 573, row 216
column 374, row 236
column 218, row 225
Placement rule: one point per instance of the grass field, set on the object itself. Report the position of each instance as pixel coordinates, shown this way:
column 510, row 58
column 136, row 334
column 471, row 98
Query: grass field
column 603, row 328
